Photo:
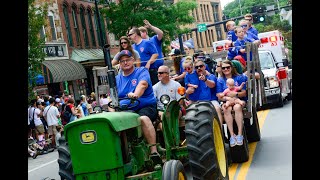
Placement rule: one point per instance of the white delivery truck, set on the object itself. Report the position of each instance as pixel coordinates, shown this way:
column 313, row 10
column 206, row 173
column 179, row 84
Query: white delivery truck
column 278, row 83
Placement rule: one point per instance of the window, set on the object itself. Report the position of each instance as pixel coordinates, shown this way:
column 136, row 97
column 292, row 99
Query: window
column 201, row 39
column 218, row 30
column 97, row 30
column 84, row 27
column 66, row 19
column 52, row 26
column 43, row 34
column 93, row 39
column 75, row 25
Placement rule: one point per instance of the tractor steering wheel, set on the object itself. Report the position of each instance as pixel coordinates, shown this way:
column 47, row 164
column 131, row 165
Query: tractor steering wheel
column 134, row 102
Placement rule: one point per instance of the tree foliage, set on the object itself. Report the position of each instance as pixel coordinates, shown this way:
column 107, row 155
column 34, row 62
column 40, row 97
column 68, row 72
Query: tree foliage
column 36, row 20
column 131, row 13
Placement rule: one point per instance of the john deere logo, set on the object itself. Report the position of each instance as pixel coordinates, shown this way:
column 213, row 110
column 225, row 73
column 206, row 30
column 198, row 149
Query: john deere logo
column 88, row 137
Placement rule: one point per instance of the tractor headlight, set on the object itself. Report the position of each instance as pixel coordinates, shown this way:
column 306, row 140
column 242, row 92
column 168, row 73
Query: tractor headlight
column 165, row 99
column 273, row 82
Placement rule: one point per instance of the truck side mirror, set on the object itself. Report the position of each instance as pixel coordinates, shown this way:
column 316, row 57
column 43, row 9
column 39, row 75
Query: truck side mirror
column 285, row 62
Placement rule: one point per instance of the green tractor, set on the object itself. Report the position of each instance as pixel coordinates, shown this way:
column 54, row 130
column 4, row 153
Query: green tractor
column 110, row 145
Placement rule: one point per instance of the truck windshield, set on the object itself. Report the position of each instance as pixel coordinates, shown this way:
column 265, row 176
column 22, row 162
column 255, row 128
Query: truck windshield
column 266, row 60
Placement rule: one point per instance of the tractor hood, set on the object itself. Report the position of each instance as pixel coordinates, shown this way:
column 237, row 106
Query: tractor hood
column 119, row 121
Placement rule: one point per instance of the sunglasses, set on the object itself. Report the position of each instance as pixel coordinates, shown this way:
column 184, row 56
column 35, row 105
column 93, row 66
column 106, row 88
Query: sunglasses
column 200, row 66
column 125, row 60
column 218, row 66
column 128, row 35
column 161, row 72
column 187, row 68
column 248, row 19
column 125, row 42
column 244, row 26
column 227, row 67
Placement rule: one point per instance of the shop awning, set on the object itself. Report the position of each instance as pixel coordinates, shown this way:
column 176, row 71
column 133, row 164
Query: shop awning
column 55, row 71
column 82, row 55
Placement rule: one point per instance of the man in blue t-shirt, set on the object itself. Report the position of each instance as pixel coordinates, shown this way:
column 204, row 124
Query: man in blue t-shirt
column 251, row 29
column 148, row 53
column 156, row 39
column 206, row 90
column 134, row 82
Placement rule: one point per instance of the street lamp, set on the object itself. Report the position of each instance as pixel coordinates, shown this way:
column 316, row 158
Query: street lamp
column 111, row 75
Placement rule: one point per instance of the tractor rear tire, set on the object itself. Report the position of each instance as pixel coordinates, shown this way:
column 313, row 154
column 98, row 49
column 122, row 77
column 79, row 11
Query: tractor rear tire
column 253, row 131
column 173, row 170
column 64, row 160
column 205, row 142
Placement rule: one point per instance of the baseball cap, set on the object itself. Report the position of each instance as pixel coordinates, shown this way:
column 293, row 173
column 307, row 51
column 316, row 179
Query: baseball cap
column 174, row 52
column 125, row 53
column 57, row 100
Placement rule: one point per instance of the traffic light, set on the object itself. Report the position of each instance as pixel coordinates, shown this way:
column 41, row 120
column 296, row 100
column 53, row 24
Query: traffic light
column 259, row 14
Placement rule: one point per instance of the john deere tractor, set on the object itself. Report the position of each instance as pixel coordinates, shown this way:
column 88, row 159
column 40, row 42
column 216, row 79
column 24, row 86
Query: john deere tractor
column 111, row 146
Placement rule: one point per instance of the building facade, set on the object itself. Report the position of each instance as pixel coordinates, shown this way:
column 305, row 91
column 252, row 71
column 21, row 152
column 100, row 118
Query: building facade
column 207, row 12
column 59, row 73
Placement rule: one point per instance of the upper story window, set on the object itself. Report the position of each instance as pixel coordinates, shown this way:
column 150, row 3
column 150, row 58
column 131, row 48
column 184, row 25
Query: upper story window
column 75, row 25
column 66, row 20
column 91, row 27
column 53, row 31
column 84, row 27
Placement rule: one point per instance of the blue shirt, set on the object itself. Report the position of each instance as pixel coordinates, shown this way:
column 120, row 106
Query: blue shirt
column 222, row 83
column 146, row 49
column 85, row 109
column 205, row 92
column 232, row 36
column 241, row 44
column 157, row 43
column 192, row 79
column 127, row 84
column 253, row 31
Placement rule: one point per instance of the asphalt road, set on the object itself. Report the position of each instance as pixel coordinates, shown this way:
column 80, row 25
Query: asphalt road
column 270, row 158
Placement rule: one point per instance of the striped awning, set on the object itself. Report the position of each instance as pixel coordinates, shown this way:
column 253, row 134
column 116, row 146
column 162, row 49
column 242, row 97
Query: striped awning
column 55, row 71
column 82, row 55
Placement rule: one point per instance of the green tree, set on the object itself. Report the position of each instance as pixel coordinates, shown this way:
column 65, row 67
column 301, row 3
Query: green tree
column 131, row 13
column 36, row 20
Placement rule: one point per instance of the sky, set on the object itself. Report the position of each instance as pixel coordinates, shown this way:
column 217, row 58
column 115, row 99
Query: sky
column 224, row 2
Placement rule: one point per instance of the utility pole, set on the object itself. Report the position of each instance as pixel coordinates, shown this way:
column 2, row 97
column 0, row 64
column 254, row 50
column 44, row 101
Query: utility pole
column 240, row 8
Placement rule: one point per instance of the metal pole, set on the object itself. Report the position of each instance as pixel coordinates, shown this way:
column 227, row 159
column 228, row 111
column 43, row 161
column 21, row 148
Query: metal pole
column 240, row 8
column 107, row 59
column 279, row 9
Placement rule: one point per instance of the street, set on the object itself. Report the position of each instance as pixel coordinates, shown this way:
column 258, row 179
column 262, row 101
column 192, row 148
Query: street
column 270, row 158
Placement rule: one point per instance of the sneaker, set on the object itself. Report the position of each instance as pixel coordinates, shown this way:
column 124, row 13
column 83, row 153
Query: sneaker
column 35, row 154
column 239, row 139
column 233, row 141
column 156, row 159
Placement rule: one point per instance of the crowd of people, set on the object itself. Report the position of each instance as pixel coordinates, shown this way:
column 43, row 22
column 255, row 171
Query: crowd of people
column 143, row 76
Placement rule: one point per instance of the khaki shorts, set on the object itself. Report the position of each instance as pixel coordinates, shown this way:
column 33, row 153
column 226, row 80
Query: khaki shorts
column 52, row 130
column 40, row 129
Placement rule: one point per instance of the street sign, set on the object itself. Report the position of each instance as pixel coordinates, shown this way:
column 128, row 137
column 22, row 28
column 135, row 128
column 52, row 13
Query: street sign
column 201, row 27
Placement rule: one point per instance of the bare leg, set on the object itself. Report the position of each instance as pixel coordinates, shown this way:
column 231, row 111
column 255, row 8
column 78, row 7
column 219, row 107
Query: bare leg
column 218, row 109
column 149, row 132
column 228, row 118
column 238, row 117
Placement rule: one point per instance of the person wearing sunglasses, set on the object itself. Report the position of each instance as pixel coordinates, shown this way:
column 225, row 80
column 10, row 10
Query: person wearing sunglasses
column 165, row 86
column 148, row 53
column 206, row 90
column 251, row 29
column 134, row 82
column 228, row 71
column 125, row 44
column 248, row 35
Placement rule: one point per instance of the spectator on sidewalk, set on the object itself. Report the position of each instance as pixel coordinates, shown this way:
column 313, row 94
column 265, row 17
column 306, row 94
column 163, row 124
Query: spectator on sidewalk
column 51, row 115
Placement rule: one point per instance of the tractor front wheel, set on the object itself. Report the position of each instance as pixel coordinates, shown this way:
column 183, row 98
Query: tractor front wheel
column 64, row 160
column 205, row 142
column 173, row 170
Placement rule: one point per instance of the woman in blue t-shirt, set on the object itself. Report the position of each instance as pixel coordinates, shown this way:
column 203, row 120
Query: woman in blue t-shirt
column 228, row 71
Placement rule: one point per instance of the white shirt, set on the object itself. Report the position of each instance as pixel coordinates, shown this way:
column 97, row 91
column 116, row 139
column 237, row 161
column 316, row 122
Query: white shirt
column 171, row 89
column 37, row 120
column 51, row 112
